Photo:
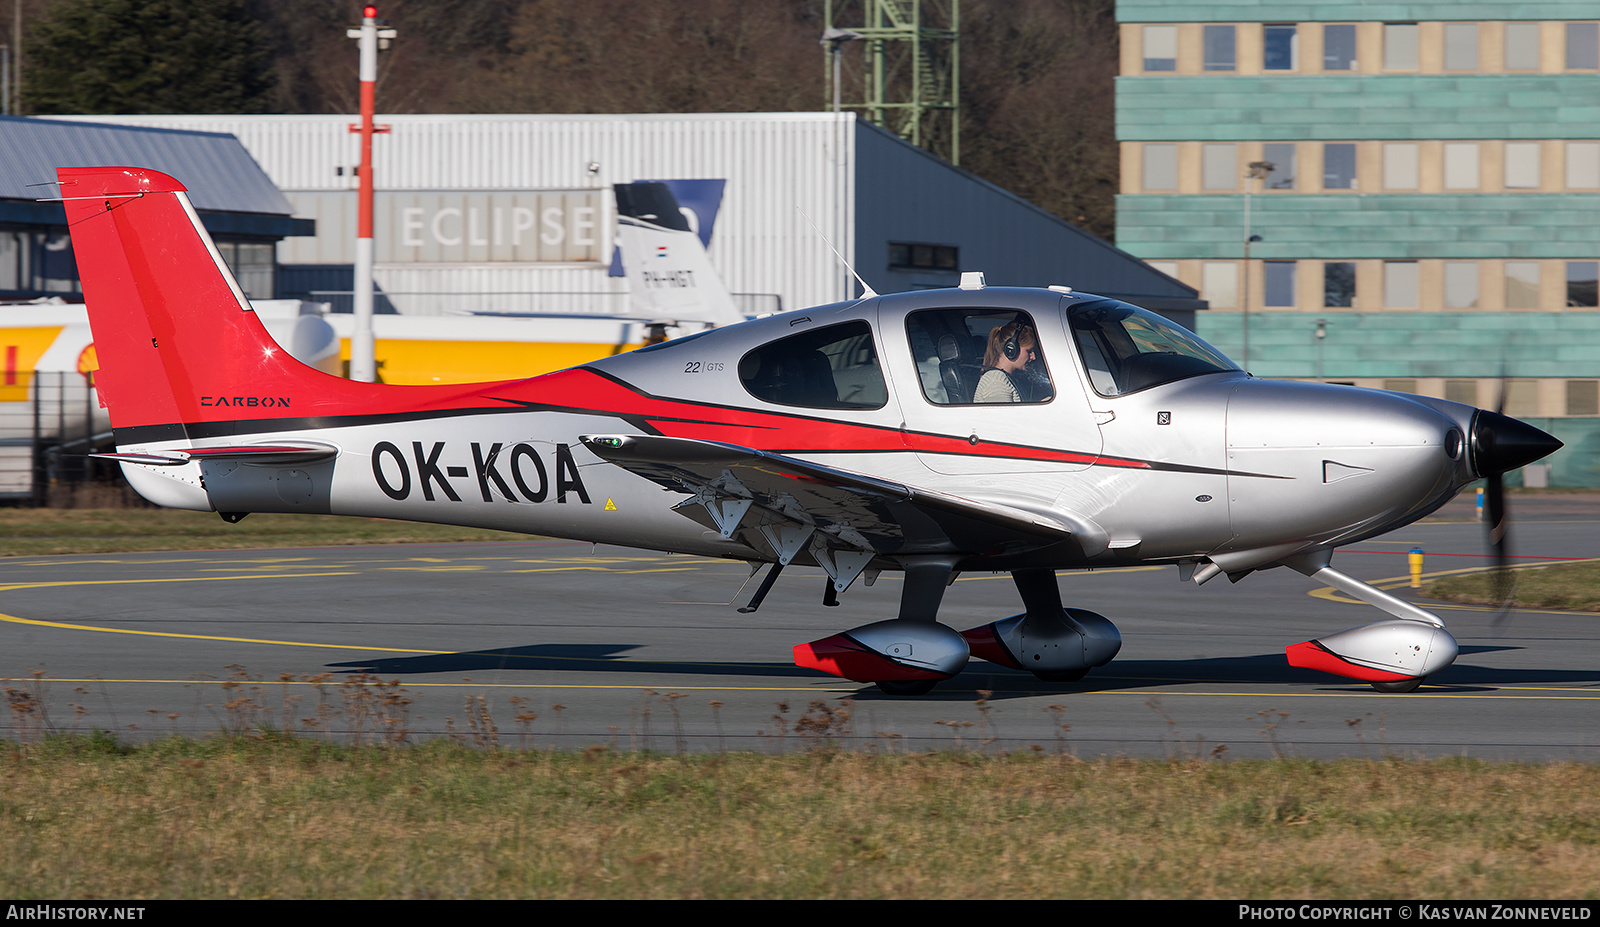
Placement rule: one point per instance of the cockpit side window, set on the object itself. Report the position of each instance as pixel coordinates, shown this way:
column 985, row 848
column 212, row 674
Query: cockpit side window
column 978, row 356
column 831, row 368
column 1126, row 349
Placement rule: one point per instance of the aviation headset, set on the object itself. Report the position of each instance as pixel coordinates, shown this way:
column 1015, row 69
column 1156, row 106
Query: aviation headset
column 1012, row 346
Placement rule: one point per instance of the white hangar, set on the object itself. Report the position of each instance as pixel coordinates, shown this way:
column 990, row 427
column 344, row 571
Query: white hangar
column 513, row 212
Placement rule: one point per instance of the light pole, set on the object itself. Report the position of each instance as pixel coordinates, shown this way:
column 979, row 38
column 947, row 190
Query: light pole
column 1257, row 170
column 834, row 39
column 1321, row 336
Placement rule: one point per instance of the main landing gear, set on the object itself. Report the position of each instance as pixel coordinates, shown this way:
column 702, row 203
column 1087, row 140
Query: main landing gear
column 909, row 654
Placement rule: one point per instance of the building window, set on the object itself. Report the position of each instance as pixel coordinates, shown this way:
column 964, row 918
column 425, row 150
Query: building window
column 10, row 261
column 1279, row 279
column 1583, row 46
column 1219, row 167
column 1461, row 166
column 1399, row 46
column 1462, row 391
column 1400, row 284
column 1400, row 166
column 1161, row 167
column 1522, row 284
column 1583, row 397
column 1170, row 268
column 1400, row 386
column 1522, row 46
column 909, row 255
column 1461, row 46
column 1583, row 165
column 1339, row 284
column 1522, row 165
column 1338, row 166
column 1522, row 398
column 1582, row 280
column 1461, row 285
column 1280, row 48
column 1160, row 48
column 1281, row 157
column 1219, row 50
column 1219, row 284
column 35, row 262
column 1339, row 48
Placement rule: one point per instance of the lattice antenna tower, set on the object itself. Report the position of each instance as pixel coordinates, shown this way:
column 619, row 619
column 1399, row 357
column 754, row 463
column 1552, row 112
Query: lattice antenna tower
column 911, row 76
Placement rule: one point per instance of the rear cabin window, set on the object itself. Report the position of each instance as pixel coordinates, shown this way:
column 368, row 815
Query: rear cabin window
column 978, row 356
column 830, row 368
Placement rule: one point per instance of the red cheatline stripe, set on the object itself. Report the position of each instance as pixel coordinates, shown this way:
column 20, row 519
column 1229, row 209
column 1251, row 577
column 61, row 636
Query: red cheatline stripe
column 769, row 430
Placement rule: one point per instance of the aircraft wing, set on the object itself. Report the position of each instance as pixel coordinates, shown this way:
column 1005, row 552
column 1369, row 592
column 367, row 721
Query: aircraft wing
column 793, row 505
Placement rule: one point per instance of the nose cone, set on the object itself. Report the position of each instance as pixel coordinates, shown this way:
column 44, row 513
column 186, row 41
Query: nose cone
column 1501, row 443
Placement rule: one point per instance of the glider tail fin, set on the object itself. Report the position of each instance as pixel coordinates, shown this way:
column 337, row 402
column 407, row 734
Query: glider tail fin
column 670, row 277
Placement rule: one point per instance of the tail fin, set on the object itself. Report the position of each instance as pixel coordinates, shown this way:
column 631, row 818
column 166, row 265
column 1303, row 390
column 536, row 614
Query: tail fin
column 171, row 325
column 670, row 277
column 182, row 354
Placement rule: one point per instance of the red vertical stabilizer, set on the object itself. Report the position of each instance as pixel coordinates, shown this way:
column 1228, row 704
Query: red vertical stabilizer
column 177, row 341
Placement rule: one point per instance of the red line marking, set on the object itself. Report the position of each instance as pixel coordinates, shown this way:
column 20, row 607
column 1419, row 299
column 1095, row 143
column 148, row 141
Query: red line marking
column 11, row 365
column 1398, row 553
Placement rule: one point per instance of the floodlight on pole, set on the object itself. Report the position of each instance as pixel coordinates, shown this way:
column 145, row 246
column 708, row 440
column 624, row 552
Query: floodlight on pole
column 1321, row 335
column 363, row 361
column 1257, row 170
column 833, row 40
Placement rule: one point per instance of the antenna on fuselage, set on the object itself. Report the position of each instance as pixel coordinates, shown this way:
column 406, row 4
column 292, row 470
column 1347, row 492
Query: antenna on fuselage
column 866, row 291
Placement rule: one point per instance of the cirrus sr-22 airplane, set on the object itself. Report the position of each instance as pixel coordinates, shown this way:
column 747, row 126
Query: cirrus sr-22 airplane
column 967, row 429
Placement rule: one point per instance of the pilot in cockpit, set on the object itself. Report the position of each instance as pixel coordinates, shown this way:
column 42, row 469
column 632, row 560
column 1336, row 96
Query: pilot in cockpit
column 1011, row 348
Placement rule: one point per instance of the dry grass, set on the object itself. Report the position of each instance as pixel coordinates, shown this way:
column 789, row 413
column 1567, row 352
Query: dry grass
column 298, row 818
column 1575, row 586
column 32, row 532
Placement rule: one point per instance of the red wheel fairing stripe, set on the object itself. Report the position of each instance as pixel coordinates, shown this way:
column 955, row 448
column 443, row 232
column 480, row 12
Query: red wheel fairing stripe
column 842, row 656
column 1312, row 655
column 984, row 644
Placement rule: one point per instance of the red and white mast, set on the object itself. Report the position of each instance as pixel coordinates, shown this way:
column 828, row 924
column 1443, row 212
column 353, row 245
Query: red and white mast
column 363, row 363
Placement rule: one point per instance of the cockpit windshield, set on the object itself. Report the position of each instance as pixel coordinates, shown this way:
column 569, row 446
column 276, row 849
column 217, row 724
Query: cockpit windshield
column 1126, row 349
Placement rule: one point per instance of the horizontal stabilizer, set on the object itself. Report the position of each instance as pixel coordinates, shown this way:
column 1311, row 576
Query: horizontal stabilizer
column 256, row 454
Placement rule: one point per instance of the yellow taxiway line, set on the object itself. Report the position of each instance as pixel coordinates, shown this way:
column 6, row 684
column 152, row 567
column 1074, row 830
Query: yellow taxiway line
column 585, row 563
column 1396, row 582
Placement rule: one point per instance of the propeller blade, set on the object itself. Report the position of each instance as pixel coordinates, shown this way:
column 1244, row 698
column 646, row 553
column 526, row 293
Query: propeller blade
column 1499, row 444
column 1497, row 525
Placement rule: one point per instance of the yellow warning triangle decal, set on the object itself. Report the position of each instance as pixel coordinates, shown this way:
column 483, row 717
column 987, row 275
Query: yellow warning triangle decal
column 610, row 506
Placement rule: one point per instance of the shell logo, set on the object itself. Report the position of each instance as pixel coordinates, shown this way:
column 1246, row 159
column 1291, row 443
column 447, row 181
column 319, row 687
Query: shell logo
column 88, row 360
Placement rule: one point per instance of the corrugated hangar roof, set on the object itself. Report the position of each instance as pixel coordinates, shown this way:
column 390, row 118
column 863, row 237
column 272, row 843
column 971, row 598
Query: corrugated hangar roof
column 220, row 174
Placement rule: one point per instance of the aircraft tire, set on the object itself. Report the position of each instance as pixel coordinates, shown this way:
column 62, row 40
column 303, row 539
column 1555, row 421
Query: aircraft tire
column 906, row 686
column 1402, row 685
column 1061, row 675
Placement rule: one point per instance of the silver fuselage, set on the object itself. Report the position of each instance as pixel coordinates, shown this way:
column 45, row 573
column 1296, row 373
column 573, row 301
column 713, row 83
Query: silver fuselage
column 1220, row 466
